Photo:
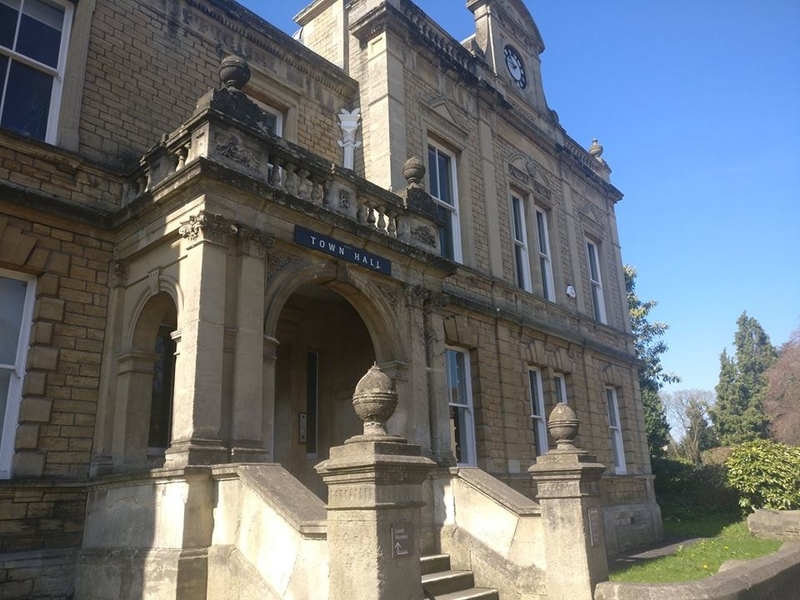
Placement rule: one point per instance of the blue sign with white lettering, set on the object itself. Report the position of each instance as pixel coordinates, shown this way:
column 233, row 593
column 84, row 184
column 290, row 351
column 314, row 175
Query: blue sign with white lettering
column 323, row 243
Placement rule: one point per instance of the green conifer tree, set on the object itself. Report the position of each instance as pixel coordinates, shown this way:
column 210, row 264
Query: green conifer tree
column 738, row 413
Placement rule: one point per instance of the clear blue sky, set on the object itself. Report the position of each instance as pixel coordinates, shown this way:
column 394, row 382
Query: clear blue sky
column 697, row 103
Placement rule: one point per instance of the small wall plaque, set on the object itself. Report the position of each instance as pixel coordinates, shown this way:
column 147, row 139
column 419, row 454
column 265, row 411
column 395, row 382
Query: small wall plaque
column 402, row 540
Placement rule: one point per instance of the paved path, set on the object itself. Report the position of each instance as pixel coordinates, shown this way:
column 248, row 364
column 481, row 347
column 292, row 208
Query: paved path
column 665, row 547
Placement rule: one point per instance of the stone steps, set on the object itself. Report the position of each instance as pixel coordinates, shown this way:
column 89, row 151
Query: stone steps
column 443, row 583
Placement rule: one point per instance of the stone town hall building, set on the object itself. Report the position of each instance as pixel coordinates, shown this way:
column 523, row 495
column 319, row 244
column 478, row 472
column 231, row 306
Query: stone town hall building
column 194, row 278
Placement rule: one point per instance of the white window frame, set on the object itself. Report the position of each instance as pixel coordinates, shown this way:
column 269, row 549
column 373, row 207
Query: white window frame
column 560, row 388
column 269, row 109
column 11, row 418
column 51, row 132
column 545, row 255
column 595, row 280
column 519, row 239
column 464, row 409
column 538, row 417
column 615, row 431
column 452, row 208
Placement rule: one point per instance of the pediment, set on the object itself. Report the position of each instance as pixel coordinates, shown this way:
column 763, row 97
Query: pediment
column 517, row 20
column 592, row 215
column 446, row 119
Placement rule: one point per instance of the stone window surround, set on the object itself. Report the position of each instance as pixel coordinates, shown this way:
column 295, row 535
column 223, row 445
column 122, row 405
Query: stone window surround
column 278, row 99
column 11, row 420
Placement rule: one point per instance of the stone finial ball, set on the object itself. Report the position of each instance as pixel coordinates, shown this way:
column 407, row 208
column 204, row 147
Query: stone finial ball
column 563, row 425
column 414, row 171
column 234, row 72
column 375, row 400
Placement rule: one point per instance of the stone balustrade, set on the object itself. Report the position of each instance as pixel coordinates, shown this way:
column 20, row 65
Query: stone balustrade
column 599, row 168
column 226, row 130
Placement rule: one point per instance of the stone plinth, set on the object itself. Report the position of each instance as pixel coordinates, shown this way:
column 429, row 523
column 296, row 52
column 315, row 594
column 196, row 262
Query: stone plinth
column 375, row 499
column 568, row 491
column 374, row 519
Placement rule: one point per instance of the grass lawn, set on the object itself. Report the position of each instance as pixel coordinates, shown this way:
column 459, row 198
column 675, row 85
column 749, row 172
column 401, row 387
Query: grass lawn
column 727, row 539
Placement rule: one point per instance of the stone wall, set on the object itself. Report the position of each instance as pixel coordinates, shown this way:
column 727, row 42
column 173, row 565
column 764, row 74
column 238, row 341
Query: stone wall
column 59, row 397
column 149, row 61
column 34, row 516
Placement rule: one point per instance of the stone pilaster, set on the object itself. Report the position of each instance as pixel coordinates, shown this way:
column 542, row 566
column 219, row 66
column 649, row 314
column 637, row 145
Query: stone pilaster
column 247, row 442
column 197, row 399
column 374, row 504
column 568, row 490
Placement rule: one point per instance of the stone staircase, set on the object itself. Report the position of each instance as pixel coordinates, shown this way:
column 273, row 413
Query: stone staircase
column 442, row 583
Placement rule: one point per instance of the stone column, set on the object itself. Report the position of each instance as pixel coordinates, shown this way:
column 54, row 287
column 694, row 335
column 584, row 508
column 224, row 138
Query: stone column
column 197, row 399
column 568, row 490
column 374, row 503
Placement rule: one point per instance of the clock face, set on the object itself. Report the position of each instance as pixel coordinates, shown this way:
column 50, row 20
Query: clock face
column 515, row 67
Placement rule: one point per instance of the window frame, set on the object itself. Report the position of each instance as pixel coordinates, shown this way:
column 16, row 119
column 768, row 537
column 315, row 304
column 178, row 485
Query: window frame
column 10, row 421
column 57, row 73
column 522, row 261
column 466, row 408
column 615, row 430
column 545, row 253
column 452, row 208
column 594, row 271
column 539, row 421
column 560, row 388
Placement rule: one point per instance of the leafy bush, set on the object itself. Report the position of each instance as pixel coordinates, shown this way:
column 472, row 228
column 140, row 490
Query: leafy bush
column 685, row 490
column 766, row 474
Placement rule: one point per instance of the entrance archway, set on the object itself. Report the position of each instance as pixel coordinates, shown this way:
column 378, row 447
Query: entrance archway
column 324, row 348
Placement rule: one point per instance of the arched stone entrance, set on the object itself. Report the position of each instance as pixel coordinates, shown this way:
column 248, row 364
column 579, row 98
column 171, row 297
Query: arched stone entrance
column 327, row 327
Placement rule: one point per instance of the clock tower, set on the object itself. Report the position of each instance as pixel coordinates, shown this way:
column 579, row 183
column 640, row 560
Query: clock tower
column 511, row 43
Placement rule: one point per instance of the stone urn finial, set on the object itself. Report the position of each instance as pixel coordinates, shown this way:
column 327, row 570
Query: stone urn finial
column 563, row 426
column 374, row 401
column 234, row 72
column 596, row 149
column 414, row 171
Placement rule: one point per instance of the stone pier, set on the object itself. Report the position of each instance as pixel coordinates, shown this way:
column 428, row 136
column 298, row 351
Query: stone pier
column 568, row 490
column 374, row 503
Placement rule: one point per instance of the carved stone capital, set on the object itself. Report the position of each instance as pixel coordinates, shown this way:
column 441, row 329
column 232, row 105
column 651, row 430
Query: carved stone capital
column 254, row 242
column 211, row 227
